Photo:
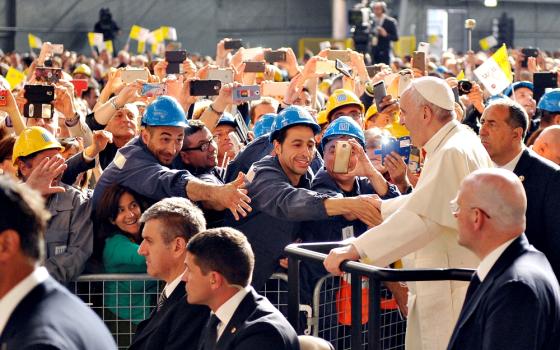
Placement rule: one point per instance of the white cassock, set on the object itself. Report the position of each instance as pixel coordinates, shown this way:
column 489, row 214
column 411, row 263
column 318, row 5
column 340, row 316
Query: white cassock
column 420, row 229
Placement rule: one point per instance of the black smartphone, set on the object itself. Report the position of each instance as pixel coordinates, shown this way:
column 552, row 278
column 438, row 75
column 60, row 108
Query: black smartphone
column 275, row 56
column 233, row 44
column 343, row 68
column 174, row 61
column 205, row 87
column 254, row 67
column 528, row 52
column 39, row 98
column 543, row 81
column 379, row 92
column 419, row 60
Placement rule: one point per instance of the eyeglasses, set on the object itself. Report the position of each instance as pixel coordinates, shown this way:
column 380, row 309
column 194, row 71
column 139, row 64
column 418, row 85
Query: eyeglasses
column 203, row 147
column 454, row 206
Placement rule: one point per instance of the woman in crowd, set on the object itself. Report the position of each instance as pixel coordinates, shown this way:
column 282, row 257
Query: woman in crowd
column 119, row 237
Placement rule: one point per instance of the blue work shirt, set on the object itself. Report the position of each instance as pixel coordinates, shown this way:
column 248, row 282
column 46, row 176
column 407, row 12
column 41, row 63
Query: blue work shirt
column 255, row 151
column 278, row 210
column 136, row 168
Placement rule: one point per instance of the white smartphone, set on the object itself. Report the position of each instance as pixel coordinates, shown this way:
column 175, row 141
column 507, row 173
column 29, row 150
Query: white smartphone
column 225, row 75
column 326, row 67
column 130, row 75
column 274, row 89
column 424, row 47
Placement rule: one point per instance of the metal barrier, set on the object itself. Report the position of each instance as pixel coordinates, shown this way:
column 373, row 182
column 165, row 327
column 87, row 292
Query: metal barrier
column 123, row 300
column 370, row 334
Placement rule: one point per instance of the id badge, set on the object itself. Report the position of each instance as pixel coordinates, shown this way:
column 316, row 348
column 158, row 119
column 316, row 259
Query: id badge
column 347, row 232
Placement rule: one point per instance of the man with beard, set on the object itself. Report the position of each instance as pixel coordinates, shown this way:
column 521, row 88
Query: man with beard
column 69, row 235
column 143, row 164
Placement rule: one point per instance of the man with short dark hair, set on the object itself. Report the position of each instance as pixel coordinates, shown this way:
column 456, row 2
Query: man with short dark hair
column 513, row 301
column 174, row 324
column 35, row 311
column 219, row 267
column 504, row 124
column 384, row 30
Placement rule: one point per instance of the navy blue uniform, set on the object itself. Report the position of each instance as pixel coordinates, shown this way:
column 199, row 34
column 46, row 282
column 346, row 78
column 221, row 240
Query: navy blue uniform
column 136, row 168
column 278, row 210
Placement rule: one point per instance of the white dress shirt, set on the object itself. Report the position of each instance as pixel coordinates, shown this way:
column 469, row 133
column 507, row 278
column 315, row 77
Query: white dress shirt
column 512, row 163
column 489, row 260
column 11, row 300
column 226, row 311
column 170, row 287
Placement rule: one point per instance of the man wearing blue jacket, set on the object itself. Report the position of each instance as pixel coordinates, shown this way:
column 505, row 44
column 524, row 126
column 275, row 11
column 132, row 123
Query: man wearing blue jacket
column 143, row 165
column 279, row 187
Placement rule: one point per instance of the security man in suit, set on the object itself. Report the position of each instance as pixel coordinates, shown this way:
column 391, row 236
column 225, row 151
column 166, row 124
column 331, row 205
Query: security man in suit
column 384, row 30
column 219, row 266
column 504, row 124
column 36, row 312
column 174, row 323
column 513, row 301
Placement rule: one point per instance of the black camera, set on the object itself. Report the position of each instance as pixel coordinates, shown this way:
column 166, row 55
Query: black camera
column 464, row 87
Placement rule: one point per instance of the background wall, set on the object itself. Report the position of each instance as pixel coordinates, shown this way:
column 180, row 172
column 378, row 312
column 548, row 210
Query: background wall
column 274, row 23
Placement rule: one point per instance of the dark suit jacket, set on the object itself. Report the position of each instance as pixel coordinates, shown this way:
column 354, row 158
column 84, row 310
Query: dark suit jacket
column 541, row 179
column 381, row 52
column 50, row 317
column 176, row 326
column 517, row 306
column 256, row 325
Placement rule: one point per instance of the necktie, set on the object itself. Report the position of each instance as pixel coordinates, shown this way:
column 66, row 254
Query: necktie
column 161, row 301
column 473, row 286
column 212, row 336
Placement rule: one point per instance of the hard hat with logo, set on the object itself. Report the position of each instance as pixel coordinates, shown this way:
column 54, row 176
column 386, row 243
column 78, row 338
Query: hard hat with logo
column 164, row 111
column 82, row 69
column 517, row 85
column 264, row 124
column 34, row 139
column 550, row 101
column 292, row 116
column 227, row 119
column 371, row 111
column 342, row 97
column 344, row 126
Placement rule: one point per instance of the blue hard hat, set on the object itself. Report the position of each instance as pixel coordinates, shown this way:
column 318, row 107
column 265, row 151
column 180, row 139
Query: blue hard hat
column 264, row 124
column 227, row 119
column 518, row 84
column 164, row 111
column 550, row 101
column 292, row 116
column 344, row 126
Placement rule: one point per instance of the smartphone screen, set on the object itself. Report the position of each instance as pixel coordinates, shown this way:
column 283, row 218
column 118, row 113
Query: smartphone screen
column 379, row 92
column 275, row 56
column 419, row 60
column 205, row 87
column 233, row 44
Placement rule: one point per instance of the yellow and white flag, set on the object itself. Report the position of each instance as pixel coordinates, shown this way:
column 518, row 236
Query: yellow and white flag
column 141, row 47
column 495, row 74
column 96, row 40
column 488, row 42
column 109, row 46
column 34, row 41
column 14, row 77
column 169, row 33
column 139, row 33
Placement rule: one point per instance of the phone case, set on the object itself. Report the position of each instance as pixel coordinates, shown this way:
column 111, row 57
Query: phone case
column 223, row 75
column 176, row 56
column 342, row 55
column 233, row 44
column 275, row 89
column 254, row 67
column 379, row 92
column 275, row 56
column 419, row 59
column 246, row 93
column 343, row 150
column 131, row 75
column 153, row 90
column 326, row 67
column 205, row 87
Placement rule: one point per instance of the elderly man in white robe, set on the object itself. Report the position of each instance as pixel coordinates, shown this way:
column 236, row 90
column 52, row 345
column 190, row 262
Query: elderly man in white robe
column 418, row 228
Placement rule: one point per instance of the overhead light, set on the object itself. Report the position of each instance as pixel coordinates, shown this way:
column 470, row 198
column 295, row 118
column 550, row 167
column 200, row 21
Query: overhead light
column 490, row 3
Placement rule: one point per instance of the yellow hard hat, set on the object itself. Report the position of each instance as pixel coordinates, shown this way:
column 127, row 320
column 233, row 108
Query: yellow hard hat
column 342, row 97
column 371, row 111
column 322, row 117
column 34, row 139
column 324, row 86
column 82, row 69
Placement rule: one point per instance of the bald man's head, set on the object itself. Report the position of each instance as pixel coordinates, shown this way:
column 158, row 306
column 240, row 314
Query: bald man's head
column 491, row 209
column 547, row 145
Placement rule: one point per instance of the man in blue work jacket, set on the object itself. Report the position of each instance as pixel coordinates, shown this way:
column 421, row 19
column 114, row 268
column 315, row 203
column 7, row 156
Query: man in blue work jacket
column 143, row 165
column 279, row 187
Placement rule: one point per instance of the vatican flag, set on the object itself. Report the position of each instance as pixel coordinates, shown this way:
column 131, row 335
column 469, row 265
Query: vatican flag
column 34, row 41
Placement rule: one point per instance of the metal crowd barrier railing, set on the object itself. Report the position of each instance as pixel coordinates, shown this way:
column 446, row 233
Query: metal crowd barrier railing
column 123, row 300
column 370, row 335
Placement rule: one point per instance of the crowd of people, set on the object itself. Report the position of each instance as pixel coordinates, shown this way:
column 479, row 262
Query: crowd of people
column 204, row 190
